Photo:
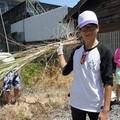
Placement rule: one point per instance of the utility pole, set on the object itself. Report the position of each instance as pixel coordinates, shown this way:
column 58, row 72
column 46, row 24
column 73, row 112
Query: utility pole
column 4, row 30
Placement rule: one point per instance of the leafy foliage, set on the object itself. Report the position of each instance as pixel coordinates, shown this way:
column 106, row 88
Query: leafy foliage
column 30, row 72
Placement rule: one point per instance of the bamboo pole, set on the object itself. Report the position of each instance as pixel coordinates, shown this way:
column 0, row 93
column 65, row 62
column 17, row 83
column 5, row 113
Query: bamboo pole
column 4, row 30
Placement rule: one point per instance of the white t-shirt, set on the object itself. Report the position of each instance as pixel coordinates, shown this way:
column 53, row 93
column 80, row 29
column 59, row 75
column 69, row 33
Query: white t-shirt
column 89, row 78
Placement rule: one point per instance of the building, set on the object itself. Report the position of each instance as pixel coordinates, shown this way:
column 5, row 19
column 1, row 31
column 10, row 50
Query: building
column 6, row 5
column 17, row 17
column 45, row 26
column 109, row 19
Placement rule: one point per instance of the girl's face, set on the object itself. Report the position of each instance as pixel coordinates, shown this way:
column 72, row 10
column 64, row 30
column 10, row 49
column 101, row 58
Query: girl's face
column 89, row 32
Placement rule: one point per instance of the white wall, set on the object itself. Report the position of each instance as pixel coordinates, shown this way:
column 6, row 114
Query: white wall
column 17, row 27
column 45, row 26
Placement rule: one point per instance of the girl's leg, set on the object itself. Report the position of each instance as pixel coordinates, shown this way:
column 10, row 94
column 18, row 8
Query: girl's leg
column 93, row 116
column 78, row 114
column 16, row 94
column 7, row 96
column 17, row 85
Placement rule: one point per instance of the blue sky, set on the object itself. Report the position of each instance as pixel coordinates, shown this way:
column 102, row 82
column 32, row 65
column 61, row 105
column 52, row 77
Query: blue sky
column 69, row 3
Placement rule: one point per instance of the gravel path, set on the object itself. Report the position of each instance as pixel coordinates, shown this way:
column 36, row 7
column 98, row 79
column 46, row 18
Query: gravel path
column 114, row 114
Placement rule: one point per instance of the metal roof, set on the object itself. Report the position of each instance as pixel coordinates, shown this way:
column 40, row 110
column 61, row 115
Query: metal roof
column 74, row 10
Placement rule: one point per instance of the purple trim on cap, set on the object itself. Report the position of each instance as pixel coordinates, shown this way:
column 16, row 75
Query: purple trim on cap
column 87, row 22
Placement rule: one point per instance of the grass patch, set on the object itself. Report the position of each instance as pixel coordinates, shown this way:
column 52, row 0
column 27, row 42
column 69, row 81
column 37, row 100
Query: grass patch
column 30, row 73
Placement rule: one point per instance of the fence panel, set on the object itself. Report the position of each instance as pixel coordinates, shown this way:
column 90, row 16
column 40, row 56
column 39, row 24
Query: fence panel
column 110, row 39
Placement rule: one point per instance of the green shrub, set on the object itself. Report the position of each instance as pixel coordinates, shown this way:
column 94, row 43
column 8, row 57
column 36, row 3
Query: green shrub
column 30, row 72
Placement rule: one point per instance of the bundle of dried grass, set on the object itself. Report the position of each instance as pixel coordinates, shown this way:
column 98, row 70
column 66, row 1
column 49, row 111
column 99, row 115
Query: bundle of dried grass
column 24, row 57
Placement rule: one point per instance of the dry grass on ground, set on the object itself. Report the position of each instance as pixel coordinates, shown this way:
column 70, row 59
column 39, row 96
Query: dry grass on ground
column 46, row 100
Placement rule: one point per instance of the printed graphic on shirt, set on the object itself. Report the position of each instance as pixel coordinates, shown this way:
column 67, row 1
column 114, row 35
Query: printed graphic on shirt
column 91, row 65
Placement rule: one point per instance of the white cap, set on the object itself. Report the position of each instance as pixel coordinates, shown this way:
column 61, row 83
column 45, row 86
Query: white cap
column 87, row 17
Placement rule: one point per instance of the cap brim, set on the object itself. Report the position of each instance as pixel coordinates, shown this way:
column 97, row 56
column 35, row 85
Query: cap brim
column 88, row 22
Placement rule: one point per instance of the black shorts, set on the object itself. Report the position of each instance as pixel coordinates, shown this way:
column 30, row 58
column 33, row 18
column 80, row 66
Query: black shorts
column 81, row 115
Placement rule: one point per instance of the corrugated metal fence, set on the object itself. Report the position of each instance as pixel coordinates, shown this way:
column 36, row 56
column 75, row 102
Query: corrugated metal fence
column 111, row 39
